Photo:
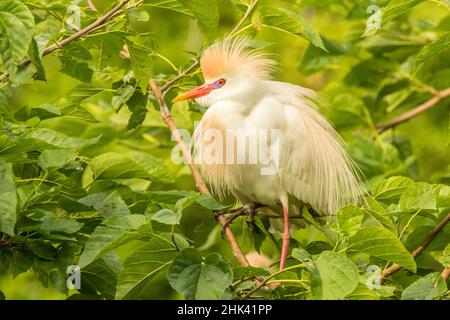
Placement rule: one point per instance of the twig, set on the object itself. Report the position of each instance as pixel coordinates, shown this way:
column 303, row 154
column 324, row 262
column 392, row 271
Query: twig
column 166, row 86
column 58, row 45
column 414, row 112
column 201, row 186
column 395, row 267
column 446, row 273
column 263, row 283
column 242, row 20
column 91, row 5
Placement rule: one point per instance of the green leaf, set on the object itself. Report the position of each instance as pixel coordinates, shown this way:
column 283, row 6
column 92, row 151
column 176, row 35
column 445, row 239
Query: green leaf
column 102, row 240
column 426, row 288
column 142, row 64
column 110, row 46
column 44, row 111
column 76, row 68
column 107, row 204
column 200, row 278
column 130, row 222
column 131, row 164
column 350, row 219
column 138, row 16
column 137, row 104
column 333, row 276
column 52, row 223
column 396, row 8
column 442, row 194
column 390, row 189
column 445, row 258
column 206, row 13
column 55, row 158
column 169, row 197
column 101, row 276
column 15, row 36
column 182, row 204
column 171, row 217
column 143, row 265
column 288, row 21
column 301, row 255
column 8, row 199
column 315, row 59
column 440, row 45
column 31, row 139
column 418, row 196
column 122, row 95
column 35, row 58
column 42, row 249
column 382, row 243
column 167, row 216
column 246, row 272
column 208, row 202
column 173, row 5
column 362, row 292
column 379, row 213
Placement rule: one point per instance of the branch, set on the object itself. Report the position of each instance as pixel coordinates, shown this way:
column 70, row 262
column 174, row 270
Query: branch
column 414, row 112
column 273, row 275
column 395, row 267
column 58, row 45
column 241, row 21
column 91, row 5
column 201, row 186
column 165, row 87
column 446, row 273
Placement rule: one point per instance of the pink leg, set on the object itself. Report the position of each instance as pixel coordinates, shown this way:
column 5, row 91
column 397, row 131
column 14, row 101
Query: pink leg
column 286, row 238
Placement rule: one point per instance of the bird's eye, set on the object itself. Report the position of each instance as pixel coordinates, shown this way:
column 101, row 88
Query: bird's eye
column 221, row 82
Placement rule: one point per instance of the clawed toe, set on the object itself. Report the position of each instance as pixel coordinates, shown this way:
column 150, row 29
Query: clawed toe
column 248, row 210
column 239, row 212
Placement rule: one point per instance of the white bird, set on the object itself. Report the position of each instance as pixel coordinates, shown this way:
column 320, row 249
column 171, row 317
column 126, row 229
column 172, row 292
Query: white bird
column 310, row 164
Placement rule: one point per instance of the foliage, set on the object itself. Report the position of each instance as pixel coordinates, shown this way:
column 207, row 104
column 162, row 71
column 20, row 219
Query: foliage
column 86, row 176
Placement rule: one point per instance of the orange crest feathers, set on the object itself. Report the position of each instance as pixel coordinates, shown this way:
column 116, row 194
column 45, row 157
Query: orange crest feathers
column 226, row 56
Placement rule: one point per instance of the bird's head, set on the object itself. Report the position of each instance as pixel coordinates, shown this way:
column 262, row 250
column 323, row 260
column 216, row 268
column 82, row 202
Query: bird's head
column 231, row 71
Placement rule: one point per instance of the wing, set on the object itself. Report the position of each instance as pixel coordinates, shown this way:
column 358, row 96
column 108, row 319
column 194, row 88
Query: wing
column 315, row 168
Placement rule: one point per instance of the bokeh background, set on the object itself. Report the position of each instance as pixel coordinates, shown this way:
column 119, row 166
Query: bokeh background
column 366, row 80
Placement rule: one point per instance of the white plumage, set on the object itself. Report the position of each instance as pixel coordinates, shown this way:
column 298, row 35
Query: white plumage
column 313, row 167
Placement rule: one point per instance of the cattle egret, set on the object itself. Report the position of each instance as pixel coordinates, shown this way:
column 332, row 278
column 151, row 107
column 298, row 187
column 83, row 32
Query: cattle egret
column 311, row 166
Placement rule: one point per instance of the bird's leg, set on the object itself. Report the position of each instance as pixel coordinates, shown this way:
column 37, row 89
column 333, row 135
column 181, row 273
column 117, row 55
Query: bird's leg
column 286, row 238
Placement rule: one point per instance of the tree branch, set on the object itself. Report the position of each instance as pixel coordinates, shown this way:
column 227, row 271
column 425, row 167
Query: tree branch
column 395, row 267
column 266, row 280
column 91, row 5
column 58, row 45
column 446, row 273
column 247, row 13
column 201, row 186
column 166, row 86
column 414, row 112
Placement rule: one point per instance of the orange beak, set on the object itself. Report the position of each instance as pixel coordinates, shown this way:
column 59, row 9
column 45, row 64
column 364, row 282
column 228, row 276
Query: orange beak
column 200, row 91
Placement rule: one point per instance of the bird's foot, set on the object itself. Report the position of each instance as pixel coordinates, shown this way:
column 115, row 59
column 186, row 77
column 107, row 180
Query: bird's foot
column 248, row 210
